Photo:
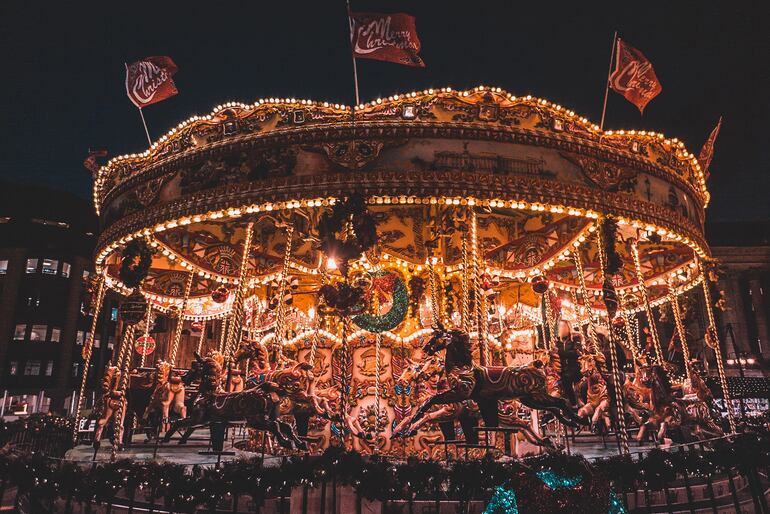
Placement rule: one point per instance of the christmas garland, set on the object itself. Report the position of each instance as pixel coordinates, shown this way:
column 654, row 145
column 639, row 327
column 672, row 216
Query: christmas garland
column 550, row 483
column 135, row 263
column 393, row 318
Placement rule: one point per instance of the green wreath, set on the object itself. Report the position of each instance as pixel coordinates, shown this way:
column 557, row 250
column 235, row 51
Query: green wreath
column 396, row 314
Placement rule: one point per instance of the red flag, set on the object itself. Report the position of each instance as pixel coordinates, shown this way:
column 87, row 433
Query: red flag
column 707, row 152
column 634, row 77
column 90, row 162
column 385, row 37
column 149, row 81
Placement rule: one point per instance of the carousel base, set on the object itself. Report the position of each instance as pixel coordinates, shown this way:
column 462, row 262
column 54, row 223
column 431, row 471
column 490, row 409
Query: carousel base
column 198, row 451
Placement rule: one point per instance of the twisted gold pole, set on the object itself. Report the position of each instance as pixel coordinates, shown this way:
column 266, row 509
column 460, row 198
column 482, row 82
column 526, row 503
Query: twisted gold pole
column 280, row 322
column 88, row 346
column 180, row 319
column 236, row 312
column 620, row 417
column 481, row 315
column 123, row 363
column 433, row 282
column 717, row 346
column 646, row 300
column 147, row 318
column 673, row 299
column 466, row 294
column 586, row 301
column 202, row 338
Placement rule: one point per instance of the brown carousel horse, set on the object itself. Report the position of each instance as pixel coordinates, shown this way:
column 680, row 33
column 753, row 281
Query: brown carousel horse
column 467, row 412
column 488, row 385
column 167, row 394
column 112, row 399
column 258, row 406
column 691, row 417
column 594, row 387
column 295, row 381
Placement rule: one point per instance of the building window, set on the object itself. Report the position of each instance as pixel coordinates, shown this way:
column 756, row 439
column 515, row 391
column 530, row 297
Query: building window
column 50, row 266
column 14, row 367
column 55, row 335
column 80, row 337
column 3, row 266
column 97, row 341
column 65, row 269
column 38, row 332
column 49, row 368
column 32, row 368
column 86, row 274
column 31, row 265
column 33, row 301
column 20, row 333
column 75, row 369
column 114, row 314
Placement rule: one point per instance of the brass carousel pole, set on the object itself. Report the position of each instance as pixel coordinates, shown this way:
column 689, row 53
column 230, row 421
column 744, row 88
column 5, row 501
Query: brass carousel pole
column 223, row 334
column 378, row 345
column 202, row 338
column 123, row 363
column 586, row 301
column 88, row 350
column 236, row 317
column 481, row 302
column 620, row 419
column 433, row 282
column 466, row 296
column 180, row 320
column 673, row 299
column 147, row 319
column 716, row 345
column 280, row 322
column 646, row 300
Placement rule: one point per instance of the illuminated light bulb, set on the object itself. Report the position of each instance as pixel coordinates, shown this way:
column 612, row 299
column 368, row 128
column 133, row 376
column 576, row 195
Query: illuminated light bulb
column 331, row 263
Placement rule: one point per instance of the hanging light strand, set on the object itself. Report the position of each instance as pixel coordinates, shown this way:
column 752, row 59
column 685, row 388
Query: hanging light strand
column 235, row 328
column 646, row 300
column 717, row 347
column 180, row 319
column 101, row 290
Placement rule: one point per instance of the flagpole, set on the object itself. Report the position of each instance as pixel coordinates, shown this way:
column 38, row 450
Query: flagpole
column 609, row 74
column 352, row 53
column 147, row 132
column 141, row 114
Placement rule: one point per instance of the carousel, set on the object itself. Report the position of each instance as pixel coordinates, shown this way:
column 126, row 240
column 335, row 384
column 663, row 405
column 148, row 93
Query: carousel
column 430, row 270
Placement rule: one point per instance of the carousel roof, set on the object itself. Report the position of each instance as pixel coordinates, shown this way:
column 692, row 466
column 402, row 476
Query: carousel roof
column 539, row 175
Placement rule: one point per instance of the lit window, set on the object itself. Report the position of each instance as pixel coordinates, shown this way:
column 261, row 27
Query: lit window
column 55, row 335
column 3, row 266
column 33, row 301
column 50, row 266
column 111, row 342
column 49, row 368
column 32, row 368
column 114, row 314
column 80, row 337
column 86, row 274
column 31, row 265
column 20, row 333
column 97, row 341
column 65, row 269
column 75, row 369
column 14, row 367
column 38, row 332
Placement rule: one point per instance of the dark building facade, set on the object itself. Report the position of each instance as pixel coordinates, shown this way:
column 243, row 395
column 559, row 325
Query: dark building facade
column 46, row 244
column 743, row 250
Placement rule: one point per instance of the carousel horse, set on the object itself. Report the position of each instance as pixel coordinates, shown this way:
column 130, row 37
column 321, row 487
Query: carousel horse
column 691, row 417
column 700, row 389
column 637, row 397
column 295, row 381
column 112, row 399
column 594, row 385
column 487, row 385
column 167, row 394
column 467, row 412
column 257, row 405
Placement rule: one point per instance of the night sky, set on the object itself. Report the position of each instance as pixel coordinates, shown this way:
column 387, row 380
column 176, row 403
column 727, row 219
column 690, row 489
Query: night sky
column 62, row 88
